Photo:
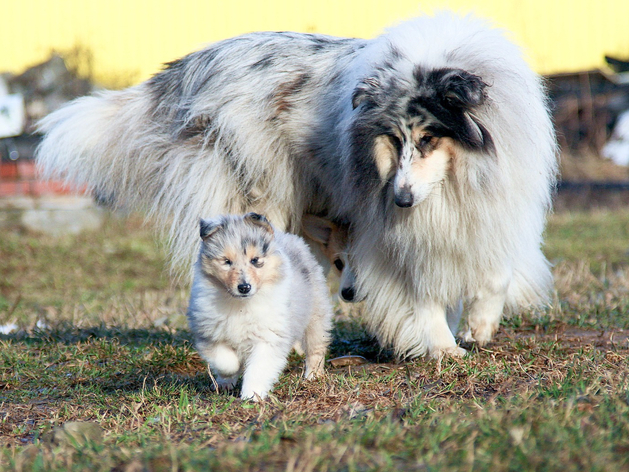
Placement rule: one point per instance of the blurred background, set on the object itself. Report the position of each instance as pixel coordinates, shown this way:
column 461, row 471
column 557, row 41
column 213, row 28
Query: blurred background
column 52, row 52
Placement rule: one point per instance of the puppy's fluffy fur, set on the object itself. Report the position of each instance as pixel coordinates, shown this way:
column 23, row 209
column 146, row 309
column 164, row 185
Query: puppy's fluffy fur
column 433, row 141
column 256, row 293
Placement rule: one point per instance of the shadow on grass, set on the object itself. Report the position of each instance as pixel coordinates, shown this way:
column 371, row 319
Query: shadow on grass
column 116, row 360
column 348, row 338
column 65, row 333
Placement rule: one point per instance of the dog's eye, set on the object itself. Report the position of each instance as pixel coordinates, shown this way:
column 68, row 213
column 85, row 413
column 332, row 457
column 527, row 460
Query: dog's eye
column 425, row 140
column 227, row 262
column 338, row 263
column 257, row 262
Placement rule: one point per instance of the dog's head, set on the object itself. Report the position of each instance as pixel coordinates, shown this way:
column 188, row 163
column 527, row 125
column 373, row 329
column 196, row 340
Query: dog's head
column 238, row 253
column 421, row 131
column 334, row 241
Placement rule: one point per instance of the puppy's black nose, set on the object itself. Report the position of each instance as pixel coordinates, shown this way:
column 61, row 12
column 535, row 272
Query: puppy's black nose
column 404, row 197
column 348, row 294
column 244, row 288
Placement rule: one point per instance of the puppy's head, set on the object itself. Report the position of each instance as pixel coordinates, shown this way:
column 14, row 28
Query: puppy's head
column 333, row 240
column 238, row 254
column 422, row 131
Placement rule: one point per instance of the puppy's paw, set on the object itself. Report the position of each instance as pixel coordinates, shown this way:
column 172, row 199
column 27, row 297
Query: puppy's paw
column 314, row 366
column 223, row 360
column 226, row 384
column 313, row 374
column 252, row 396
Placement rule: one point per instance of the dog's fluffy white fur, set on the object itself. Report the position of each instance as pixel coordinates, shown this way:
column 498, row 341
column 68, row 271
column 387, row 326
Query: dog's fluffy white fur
column 256, row 293
column 287, row 124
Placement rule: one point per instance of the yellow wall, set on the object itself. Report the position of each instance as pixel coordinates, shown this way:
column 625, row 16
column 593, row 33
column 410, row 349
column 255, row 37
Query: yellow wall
column 130, row 39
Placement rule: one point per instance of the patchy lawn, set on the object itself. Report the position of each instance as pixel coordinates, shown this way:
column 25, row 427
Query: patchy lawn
column 102, row 340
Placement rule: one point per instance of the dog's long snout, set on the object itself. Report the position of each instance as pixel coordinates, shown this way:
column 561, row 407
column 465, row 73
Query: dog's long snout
column 348, row 294
column 404, row 197
column 244, row 288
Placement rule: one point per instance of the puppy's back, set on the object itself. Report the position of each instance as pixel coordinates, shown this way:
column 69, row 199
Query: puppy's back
column 305, row 267
column 309, row 292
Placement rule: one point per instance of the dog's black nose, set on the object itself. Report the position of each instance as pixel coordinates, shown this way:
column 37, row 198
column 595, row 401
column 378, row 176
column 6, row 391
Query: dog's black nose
column 244, row 288
column 404, row 198
column 348, row 294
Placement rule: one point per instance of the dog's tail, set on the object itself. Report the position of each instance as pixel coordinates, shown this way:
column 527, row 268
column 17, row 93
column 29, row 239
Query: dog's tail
column 85, row 143
column 114, row 145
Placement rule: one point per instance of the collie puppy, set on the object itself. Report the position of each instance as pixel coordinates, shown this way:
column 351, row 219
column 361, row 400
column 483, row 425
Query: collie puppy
column 256, row 292
column 433, row 142
column 333, row 244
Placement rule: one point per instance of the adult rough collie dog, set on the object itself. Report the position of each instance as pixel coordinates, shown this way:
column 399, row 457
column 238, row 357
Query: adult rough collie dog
column 433, row 141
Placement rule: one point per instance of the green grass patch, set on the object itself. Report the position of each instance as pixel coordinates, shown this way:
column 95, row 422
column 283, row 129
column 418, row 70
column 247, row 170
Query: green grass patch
column 599, row 237
column 102, row 341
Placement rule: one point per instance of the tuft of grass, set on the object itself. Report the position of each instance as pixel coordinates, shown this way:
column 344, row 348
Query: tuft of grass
column 102, row 340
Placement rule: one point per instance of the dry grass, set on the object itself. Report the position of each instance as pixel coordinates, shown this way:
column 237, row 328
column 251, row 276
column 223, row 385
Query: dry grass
column 550, row 392
column 590, row 166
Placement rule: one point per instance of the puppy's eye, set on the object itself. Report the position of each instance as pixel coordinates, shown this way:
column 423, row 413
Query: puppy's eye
column 257, row 262
column 338, row 263
column 227, row 262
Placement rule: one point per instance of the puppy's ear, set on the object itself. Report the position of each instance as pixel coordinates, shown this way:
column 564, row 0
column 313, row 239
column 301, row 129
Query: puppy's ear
column 258, row 220
column 367, row 90
column 318, row 229
column 460, row 89
column 208, row 228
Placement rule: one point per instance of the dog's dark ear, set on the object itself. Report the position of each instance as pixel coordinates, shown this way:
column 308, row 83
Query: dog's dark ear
column 476, row 135
column 209, row 228
column 318, row 229
column 258, row 220
column 367, row 89
column 460, row 89
column 461, row 92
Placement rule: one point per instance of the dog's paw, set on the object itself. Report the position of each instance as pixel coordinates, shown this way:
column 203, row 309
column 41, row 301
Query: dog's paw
column 479, row 335
column 455, row 351
column 466, row 336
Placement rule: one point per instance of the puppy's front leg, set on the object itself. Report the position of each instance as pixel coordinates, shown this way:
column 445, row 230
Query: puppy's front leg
column 262, row 369
column 486, row 310
column 222, row 361
column 317, row 339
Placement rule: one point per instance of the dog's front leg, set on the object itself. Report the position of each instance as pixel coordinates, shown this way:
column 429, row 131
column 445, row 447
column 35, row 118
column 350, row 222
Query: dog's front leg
column 262, row 369
column 486, row 309
column 426, row 332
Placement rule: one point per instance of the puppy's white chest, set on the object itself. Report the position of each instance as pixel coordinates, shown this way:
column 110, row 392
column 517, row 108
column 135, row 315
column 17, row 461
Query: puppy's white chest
column 254, row 320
